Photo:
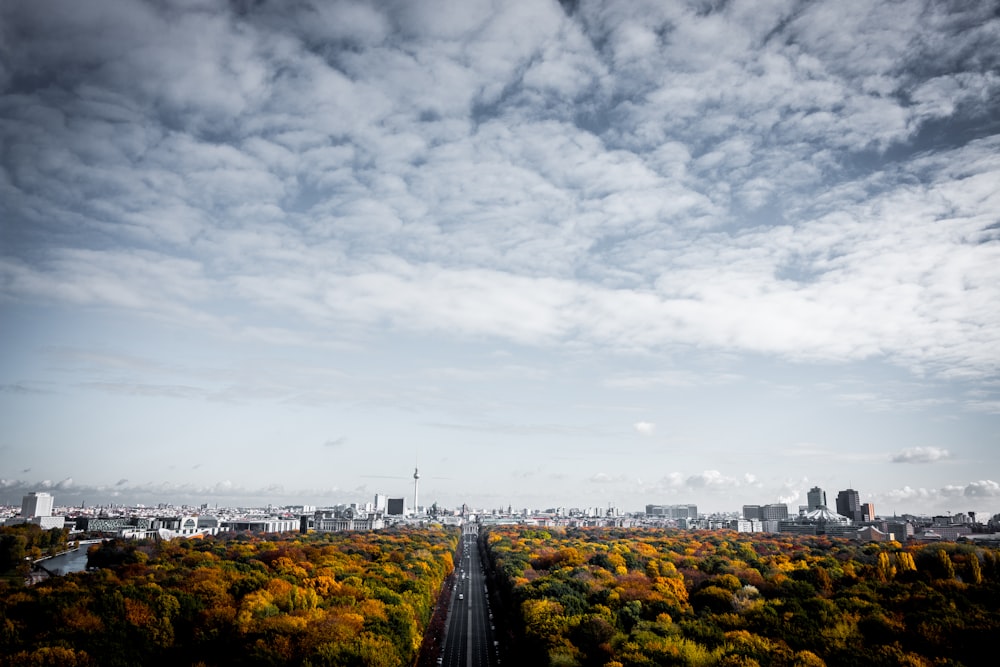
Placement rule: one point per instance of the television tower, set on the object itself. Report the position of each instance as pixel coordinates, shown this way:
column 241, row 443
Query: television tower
column 416, row 477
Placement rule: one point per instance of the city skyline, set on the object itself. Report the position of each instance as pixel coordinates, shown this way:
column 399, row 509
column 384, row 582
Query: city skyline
column 583, row 252
column 186, row 496
column 42, row 504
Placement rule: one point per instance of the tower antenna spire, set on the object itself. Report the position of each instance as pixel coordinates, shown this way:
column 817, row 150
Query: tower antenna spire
column 416, row 479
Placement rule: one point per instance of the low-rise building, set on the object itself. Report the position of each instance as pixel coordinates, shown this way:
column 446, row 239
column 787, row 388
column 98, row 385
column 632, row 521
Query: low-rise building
column 333, row 521
column 871, row 534
column 261, row 525
column 819, row 521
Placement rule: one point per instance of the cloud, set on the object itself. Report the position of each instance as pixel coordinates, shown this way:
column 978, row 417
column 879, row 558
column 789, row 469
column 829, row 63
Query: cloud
column 525, row 429
column 986, row 488
column 713, row 479
column 793, row 491
column 670, row 481
column 795, row 182
column 22, row 388
column 604, row 478
column 68, row 492
column 707, row 480
column 941, row 498
column 148, row 390
column 921, row 455
column 986, row 406
column 592, row 179
column 671, row 378
column 63, row 484
column 644, row 428
column 336, row 442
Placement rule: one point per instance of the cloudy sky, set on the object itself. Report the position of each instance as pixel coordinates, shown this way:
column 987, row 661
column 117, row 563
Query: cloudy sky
column 556, row 254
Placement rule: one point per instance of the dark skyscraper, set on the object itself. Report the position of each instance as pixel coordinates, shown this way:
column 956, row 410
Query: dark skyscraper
column 849, row 504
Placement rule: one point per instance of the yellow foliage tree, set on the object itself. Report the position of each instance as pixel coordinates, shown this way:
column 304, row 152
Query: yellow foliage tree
column 543, row 619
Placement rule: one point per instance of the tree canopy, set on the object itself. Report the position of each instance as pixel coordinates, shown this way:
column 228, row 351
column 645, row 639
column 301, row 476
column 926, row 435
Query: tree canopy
column 608, row 597
column 320, row 600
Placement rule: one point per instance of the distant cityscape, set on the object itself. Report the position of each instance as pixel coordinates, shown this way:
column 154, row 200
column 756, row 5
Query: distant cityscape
column 849, row 518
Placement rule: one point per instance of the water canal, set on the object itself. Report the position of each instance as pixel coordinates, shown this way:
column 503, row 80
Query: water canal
column 71, row 561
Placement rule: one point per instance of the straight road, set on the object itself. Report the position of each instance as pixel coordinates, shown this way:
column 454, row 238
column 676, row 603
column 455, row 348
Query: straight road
column 469, row 639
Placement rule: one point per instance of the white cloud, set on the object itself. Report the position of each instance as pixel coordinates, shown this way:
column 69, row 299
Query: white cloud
column 669, row 483
column 713, row 479
column 709, row 478
column 604, row 478
column 617, row 181
column 921, row 455
column 985, row 488
column 671, row 378
column 941, row 497
column 793, row 491
column 536, row 231
column 644, row 428
column 66, row 492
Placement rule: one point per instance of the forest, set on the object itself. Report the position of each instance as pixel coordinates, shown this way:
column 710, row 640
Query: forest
column 318, row 600
column 644, row 597
column 27, row 540
column 584, row 597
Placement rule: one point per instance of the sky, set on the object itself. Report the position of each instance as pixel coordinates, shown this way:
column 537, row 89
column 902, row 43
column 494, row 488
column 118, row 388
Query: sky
column 584, row 254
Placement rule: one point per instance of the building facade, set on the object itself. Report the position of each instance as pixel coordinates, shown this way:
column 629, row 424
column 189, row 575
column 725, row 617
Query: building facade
column 849, row 504
column 774, row 512
column 396, row 506
column 672, row 511
column 36, row 504
column 36, row 508
column 770, row 512
column 816, row 498
column 819, row 521
column 261, row 525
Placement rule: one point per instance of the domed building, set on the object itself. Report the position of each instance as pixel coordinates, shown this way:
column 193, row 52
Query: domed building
column 818, row 521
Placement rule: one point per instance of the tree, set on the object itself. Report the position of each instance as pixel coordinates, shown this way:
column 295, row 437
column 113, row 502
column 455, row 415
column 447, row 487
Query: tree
column 52, row 656
column 975, row 570
column 884, row 569
column 904, row 562
column 12, row 550
column 945, row 568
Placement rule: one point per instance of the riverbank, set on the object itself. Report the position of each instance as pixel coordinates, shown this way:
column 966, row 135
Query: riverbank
column 70, row 560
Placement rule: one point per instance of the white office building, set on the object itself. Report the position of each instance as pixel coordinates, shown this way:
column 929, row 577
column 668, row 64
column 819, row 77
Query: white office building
column 36, row 508
column 36, row 504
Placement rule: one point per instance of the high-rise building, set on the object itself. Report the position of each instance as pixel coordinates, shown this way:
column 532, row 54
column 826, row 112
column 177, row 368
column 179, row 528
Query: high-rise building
column 396, row 506
column 770, row 512
column 36, row 504
column 868, row 512
column 849, row 504
column 672, row 511
column 816, row 498
column 774, row 512
column 36, row 508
